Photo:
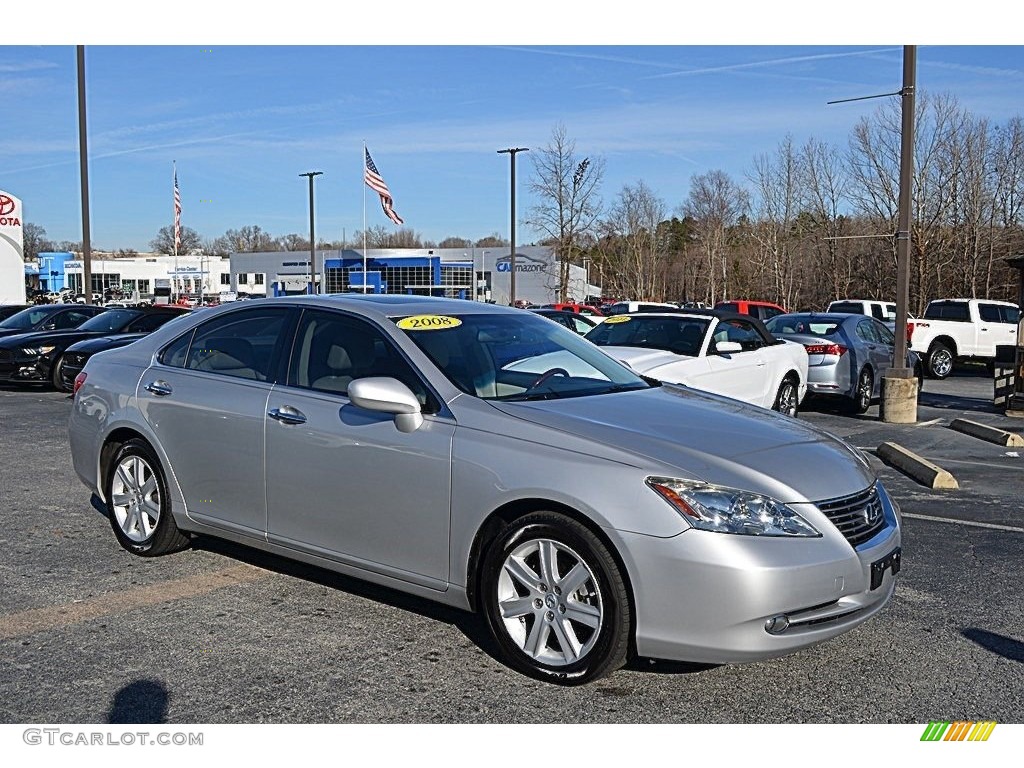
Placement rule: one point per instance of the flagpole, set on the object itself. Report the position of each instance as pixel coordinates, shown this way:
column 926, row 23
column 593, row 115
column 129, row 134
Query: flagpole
column 174, row 233
column 364, row 218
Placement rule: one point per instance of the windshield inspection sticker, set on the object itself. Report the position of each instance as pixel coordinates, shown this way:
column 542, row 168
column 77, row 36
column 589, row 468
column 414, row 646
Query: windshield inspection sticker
column 428, row 323
column 618, row 319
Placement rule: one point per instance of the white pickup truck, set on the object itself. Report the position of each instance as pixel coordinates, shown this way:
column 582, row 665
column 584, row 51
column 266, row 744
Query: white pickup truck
column 963, row 329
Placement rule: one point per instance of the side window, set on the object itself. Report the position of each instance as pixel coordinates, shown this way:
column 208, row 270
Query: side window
column 148, row 322
column 1011, row 315
column 238, row 344
column 744, row 333
column 989, row 313
column 70, row 319
column 767, row 313
column 877, row 311
column 332, row 350
column 866, row 331
column 885, row 335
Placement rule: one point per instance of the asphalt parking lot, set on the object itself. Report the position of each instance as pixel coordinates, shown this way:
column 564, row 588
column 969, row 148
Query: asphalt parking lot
column 224, row 634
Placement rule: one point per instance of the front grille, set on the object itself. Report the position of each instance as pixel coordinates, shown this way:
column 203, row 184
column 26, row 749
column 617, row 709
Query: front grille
column 75, row 360
column 858, row 517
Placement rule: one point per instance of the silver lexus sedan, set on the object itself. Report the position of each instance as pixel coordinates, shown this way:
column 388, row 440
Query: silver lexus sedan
column 489, row 459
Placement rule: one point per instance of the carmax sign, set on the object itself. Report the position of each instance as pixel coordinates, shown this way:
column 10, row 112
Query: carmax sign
column 523, row 264
column 12, row 249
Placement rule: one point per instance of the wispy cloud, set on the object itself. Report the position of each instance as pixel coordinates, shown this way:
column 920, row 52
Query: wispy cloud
column 774, row 62
column 9, row 67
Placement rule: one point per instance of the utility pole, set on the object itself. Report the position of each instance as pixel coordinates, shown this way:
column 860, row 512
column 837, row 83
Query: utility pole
column 312, row 237
column 899, row 388
column 511, row 152
column 83, row 159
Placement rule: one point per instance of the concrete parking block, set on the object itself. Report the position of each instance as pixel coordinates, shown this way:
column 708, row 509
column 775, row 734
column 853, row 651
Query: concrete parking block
column 919, row 469
column 985, row 432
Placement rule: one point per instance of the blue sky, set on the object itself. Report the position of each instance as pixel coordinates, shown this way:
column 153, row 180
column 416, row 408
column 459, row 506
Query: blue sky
column 242, row 121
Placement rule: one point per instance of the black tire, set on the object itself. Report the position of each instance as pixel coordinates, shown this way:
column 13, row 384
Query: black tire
column 787, row 399
column 940, row 361
column 534, row 636
column 861, row 399
column 57, row 375
column 138, row 503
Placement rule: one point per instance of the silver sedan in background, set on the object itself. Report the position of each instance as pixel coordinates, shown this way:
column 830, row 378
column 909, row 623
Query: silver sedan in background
column 427, row 445
column 847, row 354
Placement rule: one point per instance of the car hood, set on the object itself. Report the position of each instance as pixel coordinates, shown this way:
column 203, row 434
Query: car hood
column 68, row 336
column 695, row 435
column 643, row 360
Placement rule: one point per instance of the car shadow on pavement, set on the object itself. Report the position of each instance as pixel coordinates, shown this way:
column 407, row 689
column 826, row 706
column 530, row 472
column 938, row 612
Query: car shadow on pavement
column 957, row 402
column 1001, row 645
column 141, row 701
column 469, row 624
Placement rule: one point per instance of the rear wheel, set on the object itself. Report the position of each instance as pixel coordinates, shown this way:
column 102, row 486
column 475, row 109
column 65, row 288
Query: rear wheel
column 940, row 361
column 861, row 399
column 555, row 600
column 787, row 400
column 138, row 503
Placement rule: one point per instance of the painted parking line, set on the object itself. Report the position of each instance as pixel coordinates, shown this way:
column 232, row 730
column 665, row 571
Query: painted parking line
column 57, row 616
column 971, row 523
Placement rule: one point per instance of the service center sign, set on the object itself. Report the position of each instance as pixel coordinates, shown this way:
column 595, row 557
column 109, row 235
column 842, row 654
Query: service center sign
column 12, row 249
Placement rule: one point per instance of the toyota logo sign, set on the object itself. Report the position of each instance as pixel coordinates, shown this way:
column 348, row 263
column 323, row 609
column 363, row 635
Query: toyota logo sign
column 6, row 205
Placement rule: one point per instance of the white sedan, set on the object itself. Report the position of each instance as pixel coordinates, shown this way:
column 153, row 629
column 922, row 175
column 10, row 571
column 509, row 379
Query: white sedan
column 721, row 352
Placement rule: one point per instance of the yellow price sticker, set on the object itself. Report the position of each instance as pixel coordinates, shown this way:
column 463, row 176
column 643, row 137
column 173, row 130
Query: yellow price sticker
column 618, row 319
column 428, row 323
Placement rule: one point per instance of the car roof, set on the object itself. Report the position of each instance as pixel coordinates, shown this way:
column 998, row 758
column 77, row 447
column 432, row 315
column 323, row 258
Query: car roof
column 383, row 306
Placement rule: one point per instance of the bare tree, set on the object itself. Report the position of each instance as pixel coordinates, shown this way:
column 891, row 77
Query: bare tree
column 35, row 241
column 634, row 242
column 565, row 188
column 715, row 204
column 164, row 240
column 293, row 242
column 823, row 185
column 776, row 182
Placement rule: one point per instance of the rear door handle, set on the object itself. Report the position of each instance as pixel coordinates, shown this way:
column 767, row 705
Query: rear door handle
column 158, row 387
column 287, row 415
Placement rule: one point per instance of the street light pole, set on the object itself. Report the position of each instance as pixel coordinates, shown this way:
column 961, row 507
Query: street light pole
column 83, row 160
column 512, row 152
column 312, row 237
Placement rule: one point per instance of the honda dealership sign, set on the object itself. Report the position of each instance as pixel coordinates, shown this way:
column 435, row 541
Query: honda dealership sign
column 12, row 249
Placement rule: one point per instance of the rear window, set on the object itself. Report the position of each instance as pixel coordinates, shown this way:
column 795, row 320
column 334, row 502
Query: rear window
column 850, row 307
column 728, row 306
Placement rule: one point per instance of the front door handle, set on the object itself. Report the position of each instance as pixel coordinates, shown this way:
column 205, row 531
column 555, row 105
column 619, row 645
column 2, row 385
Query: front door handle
column 287, row 415
column 159, row 388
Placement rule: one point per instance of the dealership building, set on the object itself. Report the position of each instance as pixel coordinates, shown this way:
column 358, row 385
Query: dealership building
column 481, row 274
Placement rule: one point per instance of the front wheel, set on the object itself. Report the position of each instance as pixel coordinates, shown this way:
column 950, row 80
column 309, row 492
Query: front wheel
column 57, row 375
column 940, row 361
column 787, row 400
column 138, row 503
column 555, row 600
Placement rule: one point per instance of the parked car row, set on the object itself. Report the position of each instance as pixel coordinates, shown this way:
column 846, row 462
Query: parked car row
column 50, row 343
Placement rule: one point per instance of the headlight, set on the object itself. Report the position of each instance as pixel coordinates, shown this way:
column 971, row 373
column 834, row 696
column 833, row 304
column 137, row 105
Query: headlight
column 727, row 510
column 37, row 351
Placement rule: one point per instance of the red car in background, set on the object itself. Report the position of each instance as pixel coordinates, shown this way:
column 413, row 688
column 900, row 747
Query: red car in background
column 762, row 310
column 579, row 309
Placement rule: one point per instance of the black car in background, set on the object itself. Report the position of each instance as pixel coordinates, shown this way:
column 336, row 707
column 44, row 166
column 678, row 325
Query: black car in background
column 571, row 320
column 6, row 310
column 39, row 356
column 48, row 317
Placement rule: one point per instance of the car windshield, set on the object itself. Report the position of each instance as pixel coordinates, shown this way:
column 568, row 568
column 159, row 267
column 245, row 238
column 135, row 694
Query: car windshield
column 682, row 335
column 109, row 321
column 516, row 357
column 805, row 325
column 26, row 319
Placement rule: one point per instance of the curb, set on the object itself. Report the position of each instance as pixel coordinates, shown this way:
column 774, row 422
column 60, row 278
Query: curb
column 985, row 432
column 914, row 466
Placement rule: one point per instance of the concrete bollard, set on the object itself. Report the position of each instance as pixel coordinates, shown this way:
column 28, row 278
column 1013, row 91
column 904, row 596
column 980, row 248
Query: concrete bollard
column 898, row 404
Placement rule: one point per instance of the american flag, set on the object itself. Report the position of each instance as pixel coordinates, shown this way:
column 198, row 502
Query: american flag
column 376, row 183
column 177, row 213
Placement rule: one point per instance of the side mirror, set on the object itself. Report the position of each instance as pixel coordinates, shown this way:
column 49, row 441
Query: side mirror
column 387, row 395
column 728, row 347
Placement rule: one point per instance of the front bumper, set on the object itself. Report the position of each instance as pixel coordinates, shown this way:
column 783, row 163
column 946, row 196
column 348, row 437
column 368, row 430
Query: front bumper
column 707, row 597
column 14, row 368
